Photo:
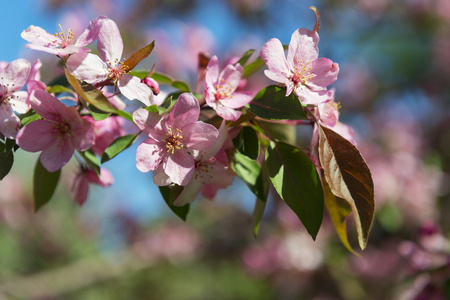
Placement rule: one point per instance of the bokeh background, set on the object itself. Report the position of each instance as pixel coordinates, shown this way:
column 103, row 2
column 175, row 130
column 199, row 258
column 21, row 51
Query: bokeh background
column 124, row 243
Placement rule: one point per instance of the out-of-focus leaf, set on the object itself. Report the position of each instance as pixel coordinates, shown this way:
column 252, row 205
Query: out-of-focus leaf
column 6, row 160
column 170, row 194
column 28, row 117
column 349, row 178
column 295, row 179
column 90, row 94
column 252, row 67
column 58, row 89
column 118, row 145
column 271, row 103
column 250, row 172
column 125, row 114
column 247, row 142
column 181, row 85
column 97, row 114
column 141, row 54
column 44, row 184
column 92, row 161
column 279, row 131
column 162, row 78
column 339, row 210
column 263, row 184
column 245, row 57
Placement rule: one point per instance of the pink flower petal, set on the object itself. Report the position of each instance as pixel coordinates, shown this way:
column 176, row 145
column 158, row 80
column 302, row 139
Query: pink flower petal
column 39, row 37
column 46, row 105
column 83, row 136
column 212, row 72
column 9, row 122
column 160, row 178
column 199, row 135
column 57, row 155
column 308, row 96
column 190, row 192
column 15, row 74
column 105, row 179
column 238, row 100
column 36, row 136
column 145, row 120
column 231, row 76
column 325, row 71
column 87, row 67
column 132, row 88
column 19, row 102
column 110, row 44
column 227, row 113
column 149, row 155
column 303, row 46
column 91, row 33
column 273, row 55
column 80, row 189
column 186, row 110
column 180, row 167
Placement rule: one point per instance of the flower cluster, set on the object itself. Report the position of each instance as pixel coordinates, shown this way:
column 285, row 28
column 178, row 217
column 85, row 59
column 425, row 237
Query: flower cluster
column 195, row 142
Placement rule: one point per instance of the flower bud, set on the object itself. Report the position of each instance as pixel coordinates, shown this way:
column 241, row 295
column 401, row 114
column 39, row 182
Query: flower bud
column 152, row 84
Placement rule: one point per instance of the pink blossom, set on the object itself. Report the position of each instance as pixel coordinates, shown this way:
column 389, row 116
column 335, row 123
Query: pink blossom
column 34, row 79
column 81, row 183
column 96, row 70
column 172, row 138
column 13, row 77
column 106, row 131
column 329, row 111
column 61, row 43
column 210, row 173
column 302, row 72
column 221, row 87
column 60, row 133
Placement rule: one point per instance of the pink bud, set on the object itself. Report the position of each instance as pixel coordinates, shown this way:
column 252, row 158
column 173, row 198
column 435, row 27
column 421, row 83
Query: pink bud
column 152, row 84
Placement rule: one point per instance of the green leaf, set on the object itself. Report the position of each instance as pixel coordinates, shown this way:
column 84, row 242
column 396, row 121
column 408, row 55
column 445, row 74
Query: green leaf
column 141, row 54
column 90, row 94
column 295, row 179
column 92, row 161
column 247, row 142
column 141, row 74
column 118, row 145
column 278, row 131
column 272, row 104
column 170, row 194
column 28, row 117
column 181, row 85
column 349, row 178
column 245, row 57
column 97, row 114
column 125, row 115
column 338, row 210
column 61, row 80
column 6, row 160
column 263, row 183
column 252, row 67
column 44, row 184
column 251, row 173
column 58, row 89
column 162, row 78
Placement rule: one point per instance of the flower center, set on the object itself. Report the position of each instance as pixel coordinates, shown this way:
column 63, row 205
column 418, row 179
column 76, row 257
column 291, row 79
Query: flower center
column 4, row 91
column 64, row 40
column 223, row 91
column 62, row 129
column 173, row 140
column 203, row 167
column 117, row 69
column 301, row 73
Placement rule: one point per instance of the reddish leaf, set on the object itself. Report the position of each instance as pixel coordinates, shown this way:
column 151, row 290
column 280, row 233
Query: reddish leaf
column 349, row 178
column 134, row 59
